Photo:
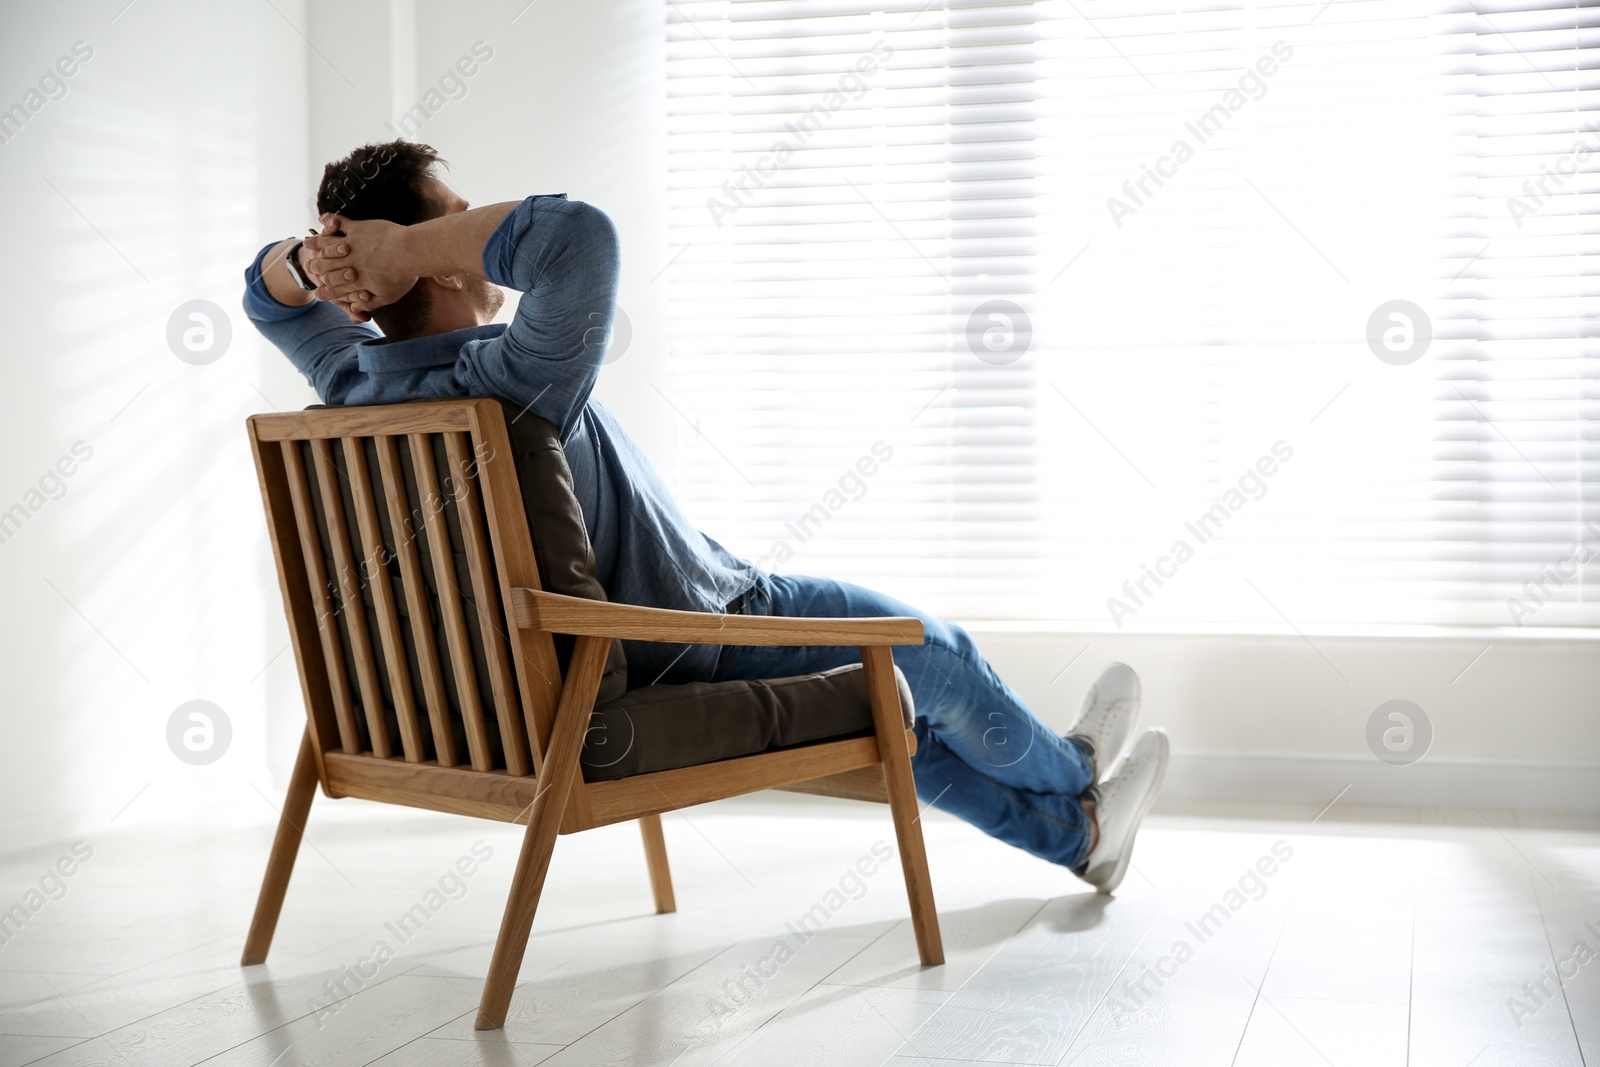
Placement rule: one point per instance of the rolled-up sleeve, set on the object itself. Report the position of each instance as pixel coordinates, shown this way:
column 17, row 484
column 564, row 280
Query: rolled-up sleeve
column 319, row 339
column 562, row 255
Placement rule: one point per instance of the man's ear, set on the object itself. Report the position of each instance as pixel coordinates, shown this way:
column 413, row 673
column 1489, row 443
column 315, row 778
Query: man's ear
column 450, row 281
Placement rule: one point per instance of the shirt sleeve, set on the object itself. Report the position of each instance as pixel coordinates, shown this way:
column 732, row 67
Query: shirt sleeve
column 319, row 339
column 562, row 255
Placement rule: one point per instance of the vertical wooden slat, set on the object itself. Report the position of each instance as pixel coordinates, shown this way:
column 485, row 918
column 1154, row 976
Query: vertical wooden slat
column 405, row 540
column 491, row 619
column 377, row 571
column 317, row 577
column 455, row 623
column 296, row 606
column 355, row 614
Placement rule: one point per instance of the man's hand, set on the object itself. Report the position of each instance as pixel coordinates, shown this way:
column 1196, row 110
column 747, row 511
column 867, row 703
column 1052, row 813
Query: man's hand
column 352, row 263
column 368, row 264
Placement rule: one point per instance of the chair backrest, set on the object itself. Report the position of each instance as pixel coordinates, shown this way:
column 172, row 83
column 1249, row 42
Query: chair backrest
column 399, row 533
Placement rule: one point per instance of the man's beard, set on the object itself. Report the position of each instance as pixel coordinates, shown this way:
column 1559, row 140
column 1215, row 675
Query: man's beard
column 489, row 297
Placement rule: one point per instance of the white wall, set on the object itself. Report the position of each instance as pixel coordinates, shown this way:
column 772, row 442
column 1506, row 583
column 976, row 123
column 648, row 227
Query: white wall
column 1515, row 719
column 148, row 184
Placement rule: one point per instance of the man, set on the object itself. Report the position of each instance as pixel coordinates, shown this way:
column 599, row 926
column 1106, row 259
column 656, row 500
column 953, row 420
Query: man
column 401, row 250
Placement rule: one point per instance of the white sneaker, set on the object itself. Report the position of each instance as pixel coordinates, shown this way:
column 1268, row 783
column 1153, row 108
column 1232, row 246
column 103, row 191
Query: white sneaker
column 1106, row 720
column 1121, row 804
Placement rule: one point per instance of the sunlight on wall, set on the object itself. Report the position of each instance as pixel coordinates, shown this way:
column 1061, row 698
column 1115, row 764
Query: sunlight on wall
column 140, row 588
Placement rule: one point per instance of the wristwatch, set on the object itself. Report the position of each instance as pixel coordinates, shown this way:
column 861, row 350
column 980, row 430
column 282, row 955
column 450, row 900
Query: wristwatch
column 296, row 271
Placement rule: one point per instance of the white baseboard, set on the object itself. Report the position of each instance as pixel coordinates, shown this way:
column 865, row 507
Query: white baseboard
column 1448, row 782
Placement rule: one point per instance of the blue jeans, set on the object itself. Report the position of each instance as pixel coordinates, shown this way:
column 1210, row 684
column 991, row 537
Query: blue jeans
column 981, row 754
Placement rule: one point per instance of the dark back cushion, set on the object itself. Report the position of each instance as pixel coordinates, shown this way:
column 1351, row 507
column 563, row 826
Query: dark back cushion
column 560, row 539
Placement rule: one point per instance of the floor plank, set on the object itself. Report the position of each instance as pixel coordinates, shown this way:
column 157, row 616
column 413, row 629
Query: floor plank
column 22, row 1049
column 1037, row 992
column 697, row 1019
column 1185, row 995
column 488, row 1051
column 1571, row 912
column 971, row 938
column 839, row 1025
column 1349, row 935
column 1293, row 1032
column 375, row 1022
column 1479, row 937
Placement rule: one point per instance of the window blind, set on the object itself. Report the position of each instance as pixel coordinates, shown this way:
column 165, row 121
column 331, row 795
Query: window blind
column 1072, row 311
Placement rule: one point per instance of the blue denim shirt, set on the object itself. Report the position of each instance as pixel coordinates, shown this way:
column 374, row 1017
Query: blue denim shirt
column 562, row 256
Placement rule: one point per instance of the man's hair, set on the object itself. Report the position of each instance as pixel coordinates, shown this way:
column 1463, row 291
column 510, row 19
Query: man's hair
column 385, row 181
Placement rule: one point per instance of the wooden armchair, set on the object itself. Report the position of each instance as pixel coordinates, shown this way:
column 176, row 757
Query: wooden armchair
column 485, row 721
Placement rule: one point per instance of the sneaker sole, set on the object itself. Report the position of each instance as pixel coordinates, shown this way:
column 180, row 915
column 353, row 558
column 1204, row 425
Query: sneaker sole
column 1119, row 868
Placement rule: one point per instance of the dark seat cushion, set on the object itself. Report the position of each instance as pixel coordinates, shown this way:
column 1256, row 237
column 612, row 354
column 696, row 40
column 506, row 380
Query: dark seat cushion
column 661, row 727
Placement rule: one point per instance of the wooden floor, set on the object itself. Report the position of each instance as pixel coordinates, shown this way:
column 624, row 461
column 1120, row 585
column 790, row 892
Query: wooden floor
column 1378, row 938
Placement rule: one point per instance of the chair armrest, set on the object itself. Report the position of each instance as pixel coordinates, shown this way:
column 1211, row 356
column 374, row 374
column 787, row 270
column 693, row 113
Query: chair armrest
column 554, row 613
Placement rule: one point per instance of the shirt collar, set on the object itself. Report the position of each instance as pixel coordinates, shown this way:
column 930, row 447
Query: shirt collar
column 378, row 356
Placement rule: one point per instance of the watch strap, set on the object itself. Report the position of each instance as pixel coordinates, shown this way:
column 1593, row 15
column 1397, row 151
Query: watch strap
column 291, row 262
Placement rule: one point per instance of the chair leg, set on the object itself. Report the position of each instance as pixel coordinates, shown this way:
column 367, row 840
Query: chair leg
column 526, row 885
column 655, row 854
column 285, row 846
column 559, row 771
column 903, row 801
